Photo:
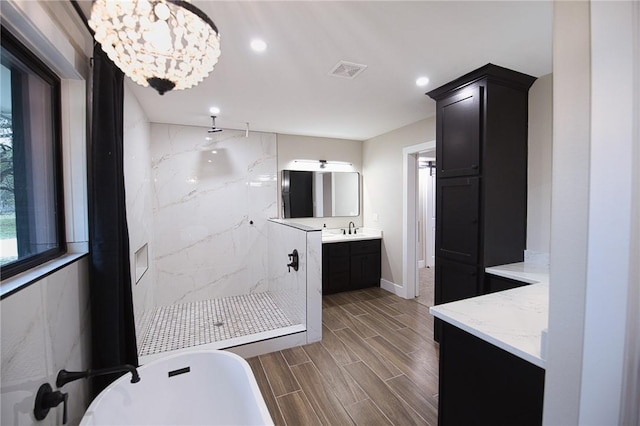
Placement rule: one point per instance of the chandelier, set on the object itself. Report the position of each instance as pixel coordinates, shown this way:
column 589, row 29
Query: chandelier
column 165, row 44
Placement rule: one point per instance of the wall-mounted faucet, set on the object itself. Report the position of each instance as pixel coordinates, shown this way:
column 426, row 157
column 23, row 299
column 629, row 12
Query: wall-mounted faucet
column 354, row 227
column 65, row 376
column 47, row 398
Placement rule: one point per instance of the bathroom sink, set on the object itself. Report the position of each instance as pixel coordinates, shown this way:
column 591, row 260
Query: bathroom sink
column 336, row 235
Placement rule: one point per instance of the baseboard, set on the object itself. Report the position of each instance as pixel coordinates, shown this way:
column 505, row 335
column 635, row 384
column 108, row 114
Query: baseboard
column 391, row 287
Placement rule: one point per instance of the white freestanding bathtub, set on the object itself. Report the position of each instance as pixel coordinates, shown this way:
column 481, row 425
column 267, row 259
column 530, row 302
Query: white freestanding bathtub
column 192, row 388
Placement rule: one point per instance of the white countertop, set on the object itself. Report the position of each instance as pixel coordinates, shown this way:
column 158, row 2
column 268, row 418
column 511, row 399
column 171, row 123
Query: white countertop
column 336, row 235
column 513, row 319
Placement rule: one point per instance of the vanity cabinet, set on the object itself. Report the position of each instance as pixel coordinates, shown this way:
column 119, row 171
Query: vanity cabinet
column 481, row 177
column 481, row 384
column 350, row 265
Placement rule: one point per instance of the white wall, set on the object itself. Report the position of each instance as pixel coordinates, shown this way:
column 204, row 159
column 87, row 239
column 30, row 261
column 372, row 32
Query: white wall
column 292, row 147
column 382, row 189
column 137, row 174
column 540, row 144
column 594, row 239
column 569, row 209
column 611, row 196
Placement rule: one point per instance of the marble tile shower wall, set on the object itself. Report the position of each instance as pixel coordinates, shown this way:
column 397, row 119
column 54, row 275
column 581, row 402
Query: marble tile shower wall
column 287, row 286
column 297, row 293
column 137, row 179
column 211, row 195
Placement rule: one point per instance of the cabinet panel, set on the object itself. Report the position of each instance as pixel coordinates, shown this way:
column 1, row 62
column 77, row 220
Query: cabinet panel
column 458, row 132
column 455, row 281
column 335, row 267
column 457, row 205
column 481, row 384
column 365, row 271
column 365, row 246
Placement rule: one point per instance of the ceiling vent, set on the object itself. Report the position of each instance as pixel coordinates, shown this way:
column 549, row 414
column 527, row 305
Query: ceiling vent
column 346, row 69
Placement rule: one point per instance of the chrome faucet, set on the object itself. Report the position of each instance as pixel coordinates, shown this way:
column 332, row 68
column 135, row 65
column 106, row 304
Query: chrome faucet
column 354, row 227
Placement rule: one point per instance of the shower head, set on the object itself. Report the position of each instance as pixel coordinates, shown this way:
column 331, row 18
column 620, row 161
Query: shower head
column 213, row 128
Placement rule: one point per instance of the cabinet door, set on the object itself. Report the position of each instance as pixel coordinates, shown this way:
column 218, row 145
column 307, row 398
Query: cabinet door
column 365, row 270
column 458, row 133
column 455, row 281
column 481, row 384
column 335, row 267
column 457, row 205
column 365, row 264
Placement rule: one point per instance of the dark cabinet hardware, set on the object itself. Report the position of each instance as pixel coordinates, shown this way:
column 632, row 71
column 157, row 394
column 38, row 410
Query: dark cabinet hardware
column 46, row 399
column 293, row 261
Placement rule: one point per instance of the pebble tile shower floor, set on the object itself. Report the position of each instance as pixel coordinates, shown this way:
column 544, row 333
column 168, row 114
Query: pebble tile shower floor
column 207, row 321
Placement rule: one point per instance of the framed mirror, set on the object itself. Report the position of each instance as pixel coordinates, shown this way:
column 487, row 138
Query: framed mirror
column 320, row 194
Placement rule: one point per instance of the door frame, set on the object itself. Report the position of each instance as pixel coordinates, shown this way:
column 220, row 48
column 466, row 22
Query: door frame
column 410, row 215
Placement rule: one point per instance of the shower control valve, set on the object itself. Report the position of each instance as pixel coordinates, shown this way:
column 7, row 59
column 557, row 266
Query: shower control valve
column 293, row 261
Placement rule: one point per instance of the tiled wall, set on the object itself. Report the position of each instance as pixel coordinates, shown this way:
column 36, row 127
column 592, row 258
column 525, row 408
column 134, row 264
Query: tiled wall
column 137, row 166
column 287, row 286
column 298, row 293
column 212, row 195
column 45, row 328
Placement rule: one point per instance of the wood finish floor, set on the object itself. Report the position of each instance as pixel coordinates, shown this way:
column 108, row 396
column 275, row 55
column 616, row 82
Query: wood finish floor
column 377, row 364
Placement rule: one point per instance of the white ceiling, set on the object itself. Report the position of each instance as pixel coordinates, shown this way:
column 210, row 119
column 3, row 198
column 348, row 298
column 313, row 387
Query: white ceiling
column 287, row 89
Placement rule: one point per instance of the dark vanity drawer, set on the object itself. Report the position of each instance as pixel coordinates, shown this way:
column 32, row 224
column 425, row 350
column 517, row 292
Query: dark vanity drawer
column 365, row 247
column 336, row 249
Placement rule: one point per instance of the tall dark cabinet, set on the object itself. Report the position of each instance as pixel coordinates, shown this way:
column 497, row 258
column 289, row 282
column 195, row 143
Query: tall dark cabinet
column 481, row 183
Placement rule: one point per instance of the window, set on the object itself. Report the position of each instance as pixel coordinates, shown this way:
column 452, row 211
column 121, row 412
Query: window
column 31, row 199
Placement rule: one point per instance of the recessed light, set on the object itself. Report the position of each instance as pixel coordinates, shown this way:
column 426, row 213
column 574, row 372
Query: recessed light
column 258, row 45
column 214, row 110
column 422, row 81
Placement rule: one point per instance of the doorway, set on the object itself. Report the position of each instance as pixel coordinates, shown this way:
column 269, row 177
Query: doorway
column 410, row 210
column 426, row 229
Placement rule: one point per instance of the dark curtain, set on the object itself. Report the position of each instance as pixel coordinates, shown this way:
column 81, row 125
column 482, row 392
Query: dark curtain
column 113, row 328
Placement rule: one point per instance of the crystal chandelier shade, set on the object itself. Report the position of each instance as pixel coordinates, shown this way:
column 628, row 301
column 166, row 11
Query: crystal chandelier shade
column 165, row 44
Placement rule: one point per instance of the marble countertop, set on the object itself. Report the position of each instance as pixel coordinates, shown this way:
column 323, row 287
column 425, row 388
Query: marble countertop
column 336, row 235
column 513, row 320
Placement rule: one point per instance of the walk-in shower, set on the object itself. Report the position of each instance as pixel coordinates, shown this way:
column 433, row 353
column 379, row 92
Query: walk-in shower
column 214, row 270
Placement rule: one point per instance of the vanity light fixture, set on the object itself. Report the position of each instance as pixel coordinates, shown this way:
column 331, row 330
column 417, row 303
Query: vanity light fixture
column 323, row 163
column 165, row 44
